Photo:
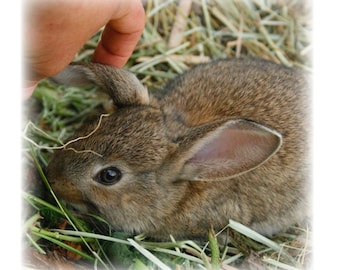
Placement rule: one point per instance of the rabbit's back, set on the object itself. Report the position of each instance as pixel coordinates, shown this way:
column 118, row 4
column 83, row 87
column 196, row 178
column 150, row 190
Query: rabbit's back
column 250, row 88
column 275, row 194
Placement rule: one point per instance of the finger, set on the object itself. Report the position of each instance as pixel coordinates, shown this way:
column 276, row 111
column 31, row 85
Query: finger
column 121, row 36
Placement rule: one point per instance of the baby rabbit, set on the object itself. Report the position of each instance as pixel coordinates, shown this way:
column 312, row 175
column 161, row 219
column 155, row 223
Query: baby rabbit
column 225, row 140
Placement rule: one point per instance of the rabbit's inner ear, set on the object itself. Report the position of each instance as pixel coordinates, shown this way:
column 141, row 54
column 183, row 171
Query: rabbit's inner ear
column 234, row 148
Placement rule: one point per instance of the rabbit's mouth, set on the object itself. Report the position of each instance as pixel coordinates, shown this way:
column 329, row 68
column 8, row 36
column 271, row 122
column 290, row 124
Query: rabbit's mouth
column 89, row 213
column 81, row 207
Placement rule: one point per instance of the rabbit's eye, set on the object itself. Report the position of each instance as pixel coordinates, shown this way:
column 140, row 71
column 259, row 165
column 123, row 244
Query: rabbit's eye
column 109, row 176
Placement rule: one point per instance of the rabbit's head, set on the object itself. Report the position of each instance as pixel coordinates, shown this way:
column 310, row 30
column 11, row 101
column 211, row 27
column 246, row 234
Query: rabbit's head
column 139, row 165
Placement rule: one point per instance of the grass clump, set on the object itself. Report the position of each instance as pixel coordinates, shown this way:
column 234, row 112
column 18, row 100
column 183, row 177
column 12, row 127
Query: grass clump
column 177, row 35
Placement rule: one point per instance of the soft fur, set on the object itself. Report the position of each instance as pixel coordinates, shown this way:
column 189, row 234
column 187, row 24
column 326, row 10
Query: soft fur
column 225, row 140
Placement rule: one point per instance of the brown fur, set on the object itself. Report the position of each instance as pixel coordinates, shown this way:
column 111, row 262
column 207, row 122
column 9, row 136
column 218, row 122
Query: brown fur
column 162, row 145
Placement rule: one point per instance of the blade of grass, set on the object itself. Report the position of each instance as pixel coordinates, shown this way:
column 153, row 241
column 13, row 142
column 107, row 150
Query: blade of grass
column 179, row 254
column 149, row 255
column 259, row 238
column 215, row 251
column 62, row 244
column 35, row 244
column 92, row 235
column 57, row 235
column 33, row 200
column 278, row 264
column 233, row 258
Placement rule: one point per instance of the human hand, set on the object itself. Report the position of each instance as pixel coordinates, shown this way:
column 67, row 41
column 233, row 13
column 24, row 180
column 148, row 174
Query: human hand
column 54, row 32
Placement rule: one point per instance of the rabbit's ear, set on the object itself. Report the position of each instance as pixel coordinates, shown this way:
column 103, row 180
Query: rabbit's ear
column 233, row 148
column 122, row 86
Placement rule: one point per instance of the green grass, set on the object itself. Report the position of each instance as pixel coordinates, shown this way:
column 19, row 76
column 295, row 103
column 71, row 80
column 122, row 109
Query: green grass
column 266, row 29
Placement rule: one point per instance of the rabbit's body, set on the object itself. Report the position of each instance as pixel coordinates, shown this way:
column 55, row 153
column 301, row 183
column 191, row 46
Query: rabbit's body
column 225, row 140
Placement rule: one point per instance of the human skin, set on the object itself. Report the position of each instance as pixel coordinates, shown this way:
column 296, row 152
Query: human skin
column 54, row 31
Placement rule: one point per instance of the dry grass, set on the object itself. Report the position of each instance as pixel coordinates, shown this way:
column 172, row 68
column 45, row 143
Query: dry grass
column 176, row 37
